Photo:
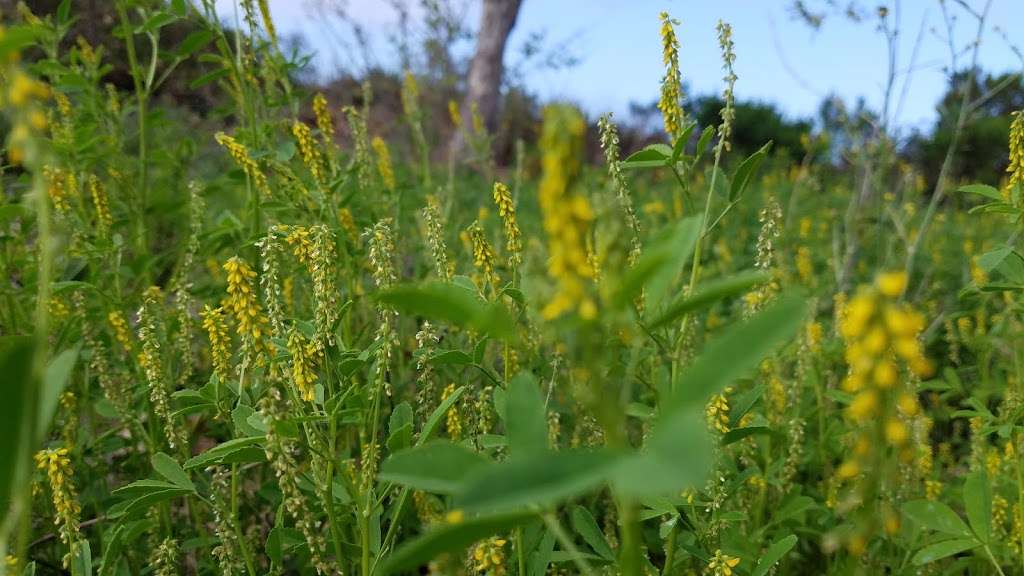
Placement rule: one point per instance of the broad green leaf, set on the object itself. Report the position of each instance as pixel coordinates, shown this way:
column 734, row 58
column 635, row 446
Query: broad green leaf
column 448, row 302
column 400, row 427
column 746, row 171
column 680, row 146
column 171, row 470
column 450, row 537
column 525, row 418
column 708, row 294
column 157, row 21
column 82, row 565
column 936, row 516
column 16, row 38
column 660, row 263
column 283, row 540
column 704, row 141
column 676, row 457
column 736, row 352
column 223, row 452
column 944, row 549
column 435, row 417
column 16, row 367
column 139, row 506
column 978, row 502
column 193, row 42
column 773, row 554
column 438, row 466
column 58, row 372
column 982, row 190
column 653, row 156
column 737, row 434
column 143, row 487
column 112, row 550
column 541, row 479
column 584, row 524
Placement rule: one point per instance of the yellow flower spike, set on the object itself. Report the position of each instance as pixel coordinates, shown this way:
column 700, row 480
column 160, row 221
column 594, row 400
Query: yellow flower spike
column 456, row 516
column 907, row 404
column 864, row 405
column 892, row 284
column 885, row 374
column 896, row 432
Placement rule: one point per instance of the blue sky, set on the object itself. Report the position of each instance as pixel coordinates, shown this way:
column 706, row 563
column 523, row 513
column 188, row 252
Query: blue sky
column 779, row 59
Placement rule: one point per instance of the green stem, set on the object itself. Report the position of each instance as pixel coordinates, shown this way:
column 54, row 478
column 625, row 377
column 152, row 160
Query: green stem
column 563, row 538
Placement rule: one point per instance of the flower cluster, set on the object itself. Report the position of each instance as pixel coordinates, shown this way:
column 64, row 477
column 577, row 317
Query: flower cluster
column 220, row 341
column 59, row 473
column 240, row 154
column 671, row 83
column 1016, row 167
column 243, row 303
column 566, row 216
column 489, row 556
column 307, row 148
column 507, row 212
column 304, row 356
column 384, row 167
column 324, row 122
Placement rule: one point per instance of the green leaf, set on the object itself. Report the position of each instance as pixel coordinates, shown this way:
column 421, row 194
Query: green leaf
column 194, row 41
column 737, row 351
column 171, row 470
column 936, row 516
column 142, row 504
column 737, row 434
column 653, row 156
column 58, row 372
column 584, row 524
column 281, row 540
column 208, row 77
column 400, row 427
column 17, row 381
column 746, row 172
column 450, row 537
column 234, row 450
column 448, row 302
column 112, row 550
column 63, row 11
column 773, row 554
column 142, row 487
column 981, row 190
column 437, row 414
column 537, row 480
column 708, row 294
column 944, row 549
column 526, row 420
column 438, row 466
column 978, row 502
column 659, row 264
column 677, row 456
column 82, row 565
column 157, row 21
column 16, row 38
column 704, row 141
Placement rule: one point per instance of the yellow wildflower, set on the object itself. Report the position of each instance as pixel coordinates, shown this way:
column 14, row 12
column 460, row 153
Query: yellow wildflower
column 384, row 168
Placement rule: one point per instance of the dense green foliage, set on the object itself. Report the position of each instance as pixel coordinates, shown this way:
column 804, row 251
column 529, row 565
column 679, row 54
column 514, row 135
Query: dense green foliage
column 248, row 348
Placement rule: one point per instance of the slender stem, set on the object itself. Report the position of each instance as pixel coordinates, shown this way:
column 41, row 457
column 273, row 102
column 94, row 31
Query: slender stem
column 563, row 538
column 670, row 549
column 520, row 551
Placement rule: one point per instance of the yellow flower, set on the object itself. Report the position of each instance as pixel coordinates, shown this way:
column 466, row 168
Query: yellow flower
column 721, row 564
column 57, row 466
column 220, row 342
column 120, row 327
column 507, row 212
column 671, row 83
column 384, row 168
column 323, row 117
column 240, row 154
column 489, row 556
column 242, row 301
column 892, row 284
column 307, row 148
column 566, row 217
column 864, row 405
column 896, row 432
column 304, row 354
column 1016, row 167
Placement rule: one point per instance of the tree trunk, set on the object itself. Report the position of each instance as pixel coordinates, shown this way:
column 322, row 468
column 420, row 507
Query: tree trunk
column 483, row 84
